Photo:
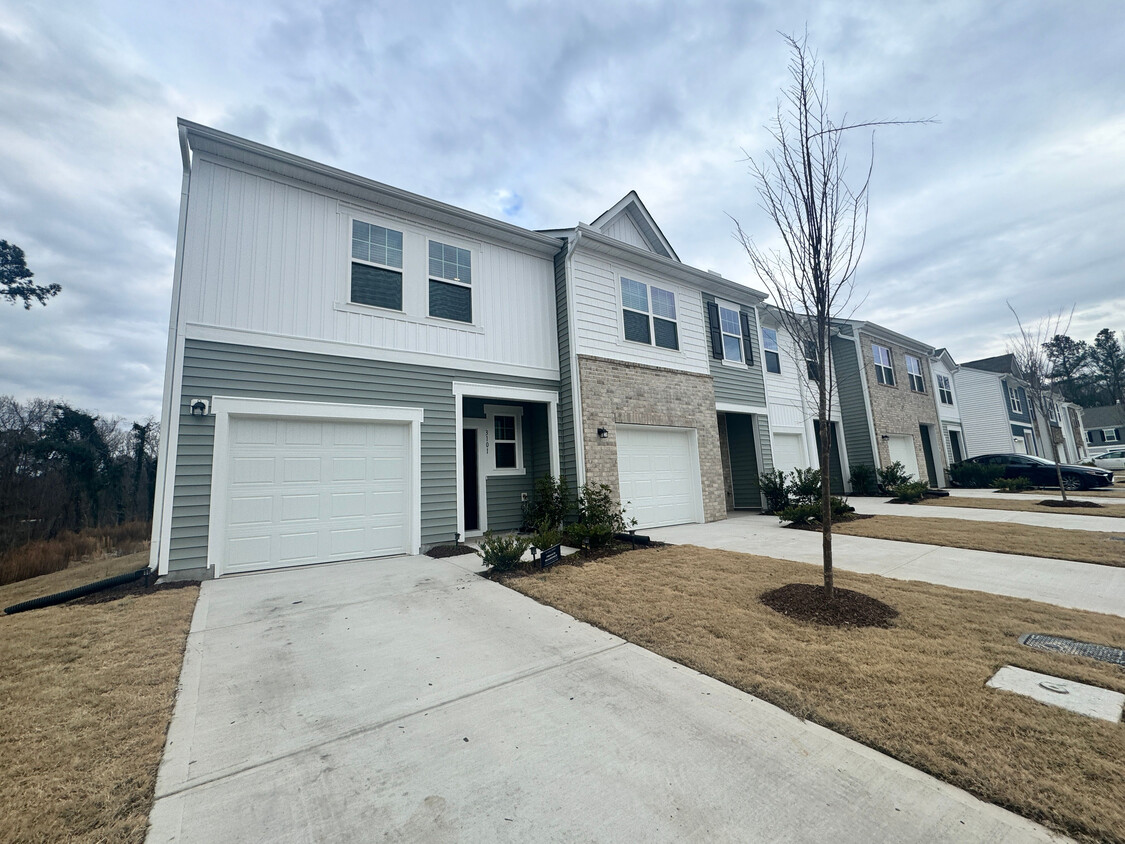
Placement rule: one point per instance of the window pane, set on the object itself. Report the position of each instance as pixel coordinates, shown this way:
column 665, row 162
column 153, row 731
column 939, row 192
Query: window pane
column 663, row 303
column 376, row 244
column 634, row 295
column 375, row 286
column 451, row 301
column 665, row 333
column 450, row 262
column 505, row 455
column 773, row 362
column 729, row 320
column 636, row 327
column 769, row 340
column 505, row 428
column 732, row 348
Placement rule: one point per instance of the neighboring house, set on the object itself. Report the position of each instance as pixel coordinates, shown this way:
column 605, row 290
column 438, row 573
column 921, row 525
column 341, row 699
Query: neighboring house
column 983, row 407
column 944, row 369
column 1063, row 428
column 887, row 403
column 661, row 371
column 1018, row 407
column 352, row 370
column 792, row 401
column 1104, row 428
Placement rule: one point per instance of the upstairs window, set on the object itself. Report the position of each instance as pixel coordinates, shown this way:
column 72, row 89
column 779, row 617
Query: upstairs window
column 1110, row 434
column 945, row 390
column 884, row 371
column 1053, row 413
column 771, row 351
column 731, row 327
column 812, row 364
column 376, row 266
column 649, row 314
column 451, row 278
column 914, row 374
column 1014, row 400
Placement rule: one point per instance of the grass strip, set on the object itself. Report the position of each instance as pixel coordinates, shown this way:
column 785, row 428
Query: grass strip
column 1116, row 511
column 87, row 693
column 1084, row 546
column 915, row 690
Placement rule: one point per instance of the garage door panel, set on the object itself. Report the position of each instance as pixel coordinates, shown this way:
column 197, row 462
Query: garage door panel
column 789, row 452
column 901, row 448
column 658, row 480
column 303, row 491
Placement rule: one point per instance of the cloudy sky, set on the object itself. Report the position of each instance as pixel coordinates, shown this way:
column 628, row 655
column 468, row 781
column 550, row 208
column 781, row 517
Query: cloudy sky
column 544, row 114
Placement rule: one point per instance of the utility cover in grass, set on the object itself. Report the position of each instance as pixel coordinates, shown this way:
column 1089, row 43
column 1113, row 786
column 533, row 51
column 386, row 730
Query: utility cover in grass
column 805, row 602
column 1084, row 699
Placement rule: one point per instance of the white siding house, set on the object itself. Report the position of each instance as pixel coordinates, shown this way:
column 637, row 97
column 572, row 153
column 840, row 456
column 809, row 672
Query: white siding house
column 943, row 368
column 983, row 410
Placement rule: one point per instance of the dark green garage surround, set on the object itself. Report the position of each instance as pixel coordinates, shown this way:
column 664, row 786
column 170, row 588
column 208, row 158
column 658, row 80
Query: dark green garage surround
column 224, row 369
column 744, row 463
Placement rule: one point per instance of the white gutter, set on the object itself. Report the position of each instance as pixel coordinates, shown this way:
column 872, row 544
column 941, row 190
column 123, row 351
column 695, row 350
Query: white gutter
column 169, row 409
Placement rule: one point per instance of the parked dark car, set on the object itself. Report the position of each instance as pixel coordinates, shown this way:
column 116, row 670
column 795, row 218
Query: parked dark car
column 1041, row 472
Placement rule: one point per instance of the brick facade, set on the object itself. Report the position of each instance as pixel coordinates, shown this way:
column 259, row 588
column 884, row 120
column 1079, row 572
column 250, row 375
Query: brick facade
column 898, row 409
column 615, row 392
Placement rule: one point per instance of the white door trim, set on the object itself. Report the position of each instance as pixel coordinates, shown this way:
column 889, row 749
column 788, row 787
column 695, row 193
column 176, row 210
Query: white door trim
column 481, row 426
column 224, row 407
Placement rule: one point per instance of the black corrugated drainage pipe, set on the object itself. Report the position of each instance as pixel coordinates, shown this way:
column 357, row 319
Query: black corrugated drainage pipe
column 77, row 592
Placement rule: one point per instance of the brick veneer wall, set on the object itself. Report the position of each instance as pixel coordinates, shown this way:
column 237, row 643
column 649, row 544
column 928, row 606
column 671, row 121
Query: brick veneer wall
column 898, row 409
column 615, row 392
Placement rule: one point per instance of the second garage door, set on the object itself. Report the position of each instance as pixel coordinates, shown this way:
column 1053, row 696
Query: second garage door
column 310, row 491
column 901, row 448
column 789, row 452
column 659, row 474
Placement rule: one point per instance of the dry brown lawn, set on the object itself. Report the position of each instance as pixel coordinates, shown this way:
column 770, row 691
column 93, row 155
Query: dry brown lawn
column 1085, row 546
column 86, row 693
column 1116, row 511
column 915, row 691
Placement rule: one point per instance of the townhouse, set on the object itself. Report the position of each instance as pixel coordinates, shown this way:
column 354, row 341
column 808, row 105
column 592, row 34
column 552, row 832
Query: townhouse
column 997, row 379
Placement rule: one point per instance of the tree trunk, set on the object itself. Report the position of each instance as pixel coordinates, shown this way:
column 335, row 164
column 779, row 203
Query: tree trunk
column 1055, row 452
column 825, row 434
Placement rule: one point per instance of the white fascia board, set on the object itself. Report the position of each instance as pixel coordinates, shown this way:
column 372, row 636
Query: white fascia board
column 247, row 337
column 240, row 405
column 728, row 407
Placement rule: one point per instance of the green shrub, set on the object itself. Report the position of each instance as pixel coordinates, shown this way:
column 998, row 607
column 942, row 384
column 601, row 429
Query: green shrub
column 800, row 514
column 863, row 479
column 805, row 487
column 841, row 507
column 1012, row 484
column 910, row 492
column 546, row 536
column 892, row 476
column 600, row 516
column 502, row 553
column 549, row 505
column 775, row 491
column 974, row 475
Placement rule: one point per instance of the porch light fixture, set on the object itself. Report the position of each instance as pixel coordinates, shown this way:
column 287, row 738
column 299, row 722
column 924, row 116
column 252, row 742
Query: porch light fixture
column 603, row 433
column 200, row 407
column 884, row 437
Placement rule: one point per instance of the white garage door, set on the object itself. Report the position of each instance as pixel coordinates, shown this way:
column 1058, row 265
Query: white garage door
column 901, row 447
column 789, row 452
column 312, row 491
column 659, row 475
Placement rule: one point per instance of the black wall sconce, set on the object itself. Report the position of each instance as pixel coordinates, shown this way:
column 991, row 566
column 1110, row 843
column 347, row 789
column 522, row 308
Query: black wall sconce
column 884, row 437
column 603, row 433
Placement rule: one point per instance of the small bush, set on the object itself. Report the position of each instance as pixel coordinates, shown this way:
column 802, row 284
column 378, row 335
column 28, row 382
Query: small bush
column 863, row 479
column 546, row 537
column 801, row 514
column 841, row 507
column 805, row 487
column 893, row 475
column 974, row 475
column 775, row 491
column 600, row 516
column 502, row 553
column 1012, row 484
column 910, row 492
column 550, row 504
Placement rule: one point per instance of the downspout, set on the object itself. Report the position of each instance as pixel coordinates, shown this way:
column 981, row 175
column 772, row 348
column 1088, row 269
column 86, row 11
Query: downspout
column 575, row 387
column 169, row 427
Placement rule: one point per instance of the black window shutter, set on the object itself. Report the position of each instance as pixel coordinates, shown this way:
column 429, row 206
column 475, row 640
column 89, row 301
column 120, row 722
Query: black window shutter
column 716, row 332
column 747, row 345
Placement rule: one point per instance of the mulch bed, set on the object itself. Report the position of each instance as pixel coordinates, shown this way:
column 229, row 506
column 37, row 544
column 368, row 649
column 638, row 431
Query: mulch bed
column 440, row 551
column 1057, row 502
column 815, row 526
column 137, row 587
column 805, row 602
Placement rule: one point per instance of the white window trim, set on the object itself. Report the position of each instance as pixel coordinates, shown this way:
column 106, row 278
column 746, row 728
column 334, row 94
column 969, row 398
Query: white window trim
column 1110, row 435
column 491, row 411
column 889, row 379
column 919, row 375
column 224, row 407
column 474, row 267
column 371, row 220
column 724, row 334
column 946, row 389
column 677, row 297
column 766, row 351
column 1014, row 403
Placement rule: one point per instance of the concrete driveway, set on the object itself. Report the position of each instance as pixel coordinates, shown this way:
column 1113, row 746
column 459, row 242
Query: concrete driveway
column 1083, row 586
column 411, row 700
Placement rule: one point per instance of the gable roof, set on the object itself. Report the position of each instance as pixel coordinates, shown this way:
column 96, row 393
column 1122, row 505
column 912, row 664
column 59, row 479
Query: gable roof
column 632, row 211
column 1004, row 364
column 1106, row 416
column 946, row 358
column 873, row 328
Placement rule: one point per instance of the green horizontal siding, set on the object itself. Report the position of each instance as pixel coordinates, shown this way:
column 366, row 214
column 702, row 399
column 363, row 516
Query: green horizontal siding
column 738, row 384
column 853, row 409
column 568, row 464
column 212, row 368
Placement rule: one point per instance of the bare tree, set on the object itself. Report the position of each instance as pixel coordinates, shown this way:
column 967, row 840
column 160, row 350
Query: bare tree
column 822, row 222
column 1031, row 358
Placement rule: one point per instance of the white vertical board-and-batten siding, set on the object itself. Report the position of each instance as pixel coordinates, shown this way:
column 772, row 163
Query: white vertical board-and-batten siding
column 267, row 255
column 598, row 324
column 792, row 404
column 984, row 417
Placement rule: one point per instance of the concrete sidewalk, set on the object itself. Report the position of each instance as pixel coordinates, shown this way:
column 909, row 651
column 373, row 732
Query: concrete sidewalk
column 1083, row 586
column 411, row 700
column 1062, row 519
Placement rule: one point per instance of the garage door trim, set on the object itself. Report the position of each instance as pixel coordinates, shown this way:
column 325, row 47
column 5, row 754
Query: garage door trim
column 692, row 437
column 224, row 407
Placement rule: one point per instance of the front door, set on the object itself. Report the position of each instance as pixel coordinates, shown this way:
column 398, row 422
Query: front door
column 470, row 478
column 928, row 453
column 955, row 445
